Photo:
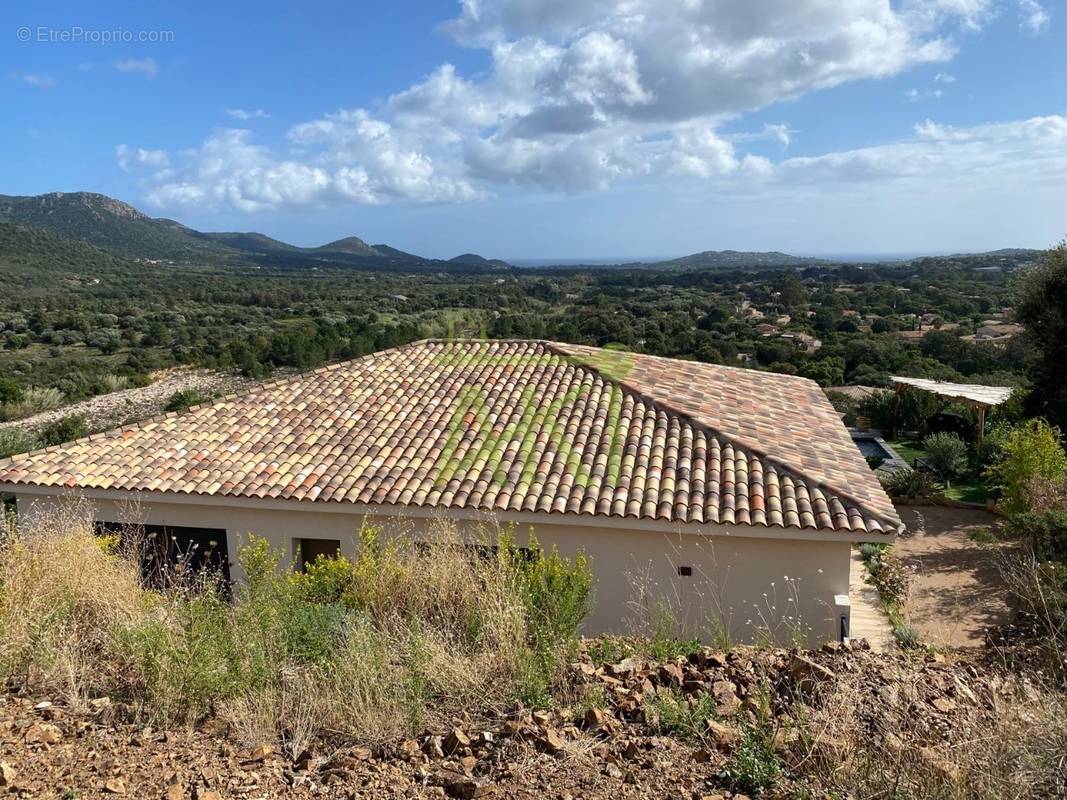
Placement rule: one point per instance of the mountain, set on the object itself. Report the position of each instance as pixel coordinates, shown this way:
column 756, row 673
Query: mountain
column 113, row 225
column 392, row 252
column 737, row 259
column 352, row 245
column 475, row 260
column 32, row 257
column 250, row 242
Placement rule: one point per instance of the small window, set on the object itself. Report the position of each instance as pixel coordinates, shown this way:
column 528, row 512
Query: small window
column 306, row 551
column 685, row 572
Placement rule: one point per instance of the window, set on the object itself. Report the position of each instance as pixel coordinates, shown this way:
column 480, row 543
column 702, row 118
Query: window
column 685, row 572
column 306, row 551
column 169, row 551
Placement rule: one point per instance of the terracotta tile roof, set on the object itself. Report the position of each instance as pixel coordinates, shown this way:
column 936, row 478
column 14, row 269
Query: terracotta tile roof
column 505, row 426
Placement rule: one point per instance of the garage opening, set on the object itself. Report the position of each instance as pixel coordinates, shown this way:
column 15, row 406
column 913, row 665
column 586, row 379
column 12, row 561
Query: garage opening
column 305, row 551
column 173, row 553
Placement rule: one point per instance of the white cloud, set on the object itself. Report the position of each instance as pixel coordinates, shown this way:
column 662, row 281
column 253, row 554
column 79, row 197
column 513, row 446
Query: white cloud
column 348, row 158
column 38, row 80
column 944, row 77
column 1035, row 17
column 140, row 66
column 130, row 158
column 915, row 95
column 247, row 114
column 580, row 94
column 1020, row 151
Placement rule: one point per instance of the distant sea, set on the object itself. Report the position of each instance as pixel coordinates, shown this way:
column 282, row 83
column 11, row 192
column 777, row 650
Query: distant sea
column 603, row 261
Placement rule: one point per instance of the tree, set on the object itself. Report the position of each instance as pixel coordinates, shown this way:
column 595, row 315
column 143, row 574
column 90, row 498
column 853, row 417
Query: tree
column 1042, row 308
column 946, row 454
column 1032, row 451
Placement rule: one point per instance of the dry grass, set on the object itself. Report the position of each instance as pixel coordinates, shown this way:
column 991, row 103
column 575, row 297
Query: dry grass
column 400, row 637
column 1010, row 741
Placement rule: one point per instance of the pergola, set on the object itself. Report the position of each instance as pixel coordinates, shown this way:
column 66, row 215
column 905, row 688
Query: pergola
column 978, row 397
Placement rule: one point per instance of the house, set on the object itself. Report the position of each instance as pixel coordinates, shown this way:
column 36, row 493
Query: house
column 736, row 493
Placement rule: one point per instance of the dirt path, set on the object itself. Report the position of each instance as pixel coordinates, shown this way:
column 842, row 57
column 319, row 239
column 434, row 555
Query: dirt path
column 117, row 408
column 957, row 593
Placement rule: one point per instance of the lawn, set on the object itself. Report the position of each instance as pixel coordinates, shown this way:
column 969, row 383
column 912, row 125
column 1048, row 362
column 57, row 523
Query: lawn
column 969, row 488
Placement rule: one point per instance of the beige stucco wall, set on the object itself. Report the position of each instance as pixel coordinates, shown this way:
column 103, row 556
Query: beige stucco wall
column 752, row 586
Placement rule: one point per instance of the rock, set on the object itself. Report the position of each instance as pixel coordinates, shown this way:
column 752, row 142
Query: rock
column 456, row 784
column 485, row 738
column 594, row 718
column 434, row 747
column 456, row 740
column 43, row 705
column 944, row 704
column 208, row 794
column 613, row 771
column 625, row 668
column 115, row 786
column 261, row 753
column 44, row 732
column 174, row 792
column 726, row 702
column 542, row 719
column 551, row 742
column 409, row 748
column 803, row 668
column 703, row 755
column 722, row 736
column 468, row 763
column 670, row 675
column 8, row 774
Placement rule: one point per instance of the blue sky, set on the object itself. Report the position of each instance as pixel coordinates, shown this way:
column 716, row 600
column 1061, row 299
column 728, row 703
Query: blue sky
column 555, row 128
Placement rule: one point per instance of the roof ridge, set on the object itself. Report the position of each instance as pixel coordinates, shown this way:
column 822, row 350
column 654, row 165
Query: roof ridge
column 558, row 348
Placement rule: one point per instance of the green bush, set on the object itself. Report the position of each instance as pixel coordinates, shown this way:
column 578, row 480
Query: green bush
column 1031, row 451
column 65, row 429
column 670, row 712
column 754, row 764
column 16, row 440
column 10, row 391
column 907, row 483
column 185, row 398
column 1044, row 531
column 947, row 455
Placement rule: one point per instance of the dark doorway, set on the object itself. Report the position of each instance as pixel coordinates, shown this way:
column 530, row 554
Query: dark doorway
column 172, row 553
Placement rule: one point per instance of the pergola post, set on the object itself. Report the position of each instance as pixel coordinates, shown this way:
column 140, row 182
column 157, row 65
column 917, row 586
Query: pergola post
column 981, row 425
column 896, row 408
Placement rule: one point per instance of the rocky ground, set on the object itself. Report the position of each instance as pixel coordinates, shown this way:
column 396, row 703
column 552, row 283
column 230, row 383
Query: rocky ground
column 129, row 405
column 613, row 748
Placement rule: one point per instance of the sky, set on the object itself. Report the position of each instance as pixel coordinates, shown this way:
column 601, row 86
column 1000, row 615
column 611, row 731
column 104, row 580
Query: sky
column 540, row 129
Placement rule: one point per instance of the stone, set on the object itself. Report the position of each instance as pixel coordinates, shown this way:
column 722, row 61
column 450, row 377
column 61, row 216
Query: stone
column 803, row 667
column 456, row 784
column 594, row 718
column 542, row 719
column 115, row 786
column 261, row 753
column 722, row 736
column 625, row 668
column 434, row 747
column 613, row 771
column 944, row 704
column 456, row 740
column 551, row 742
column 44, row 732
column 670, row 675
column 208, row 794
column 8, row 774
column 726, row 701
column 174, row 792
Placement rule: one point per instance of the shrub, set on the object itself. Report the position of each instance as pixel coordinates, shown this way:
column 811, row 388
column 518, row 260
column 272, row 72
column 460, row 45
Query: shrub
column 1044, row 531
column 16, row 440
column 907, row 483
column 670, row 712
column 754, row 764
column 1032, row 450
column 947, row 454
column 65, row 429
column 10, row 391
column 185, row 398
column 33, row 401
